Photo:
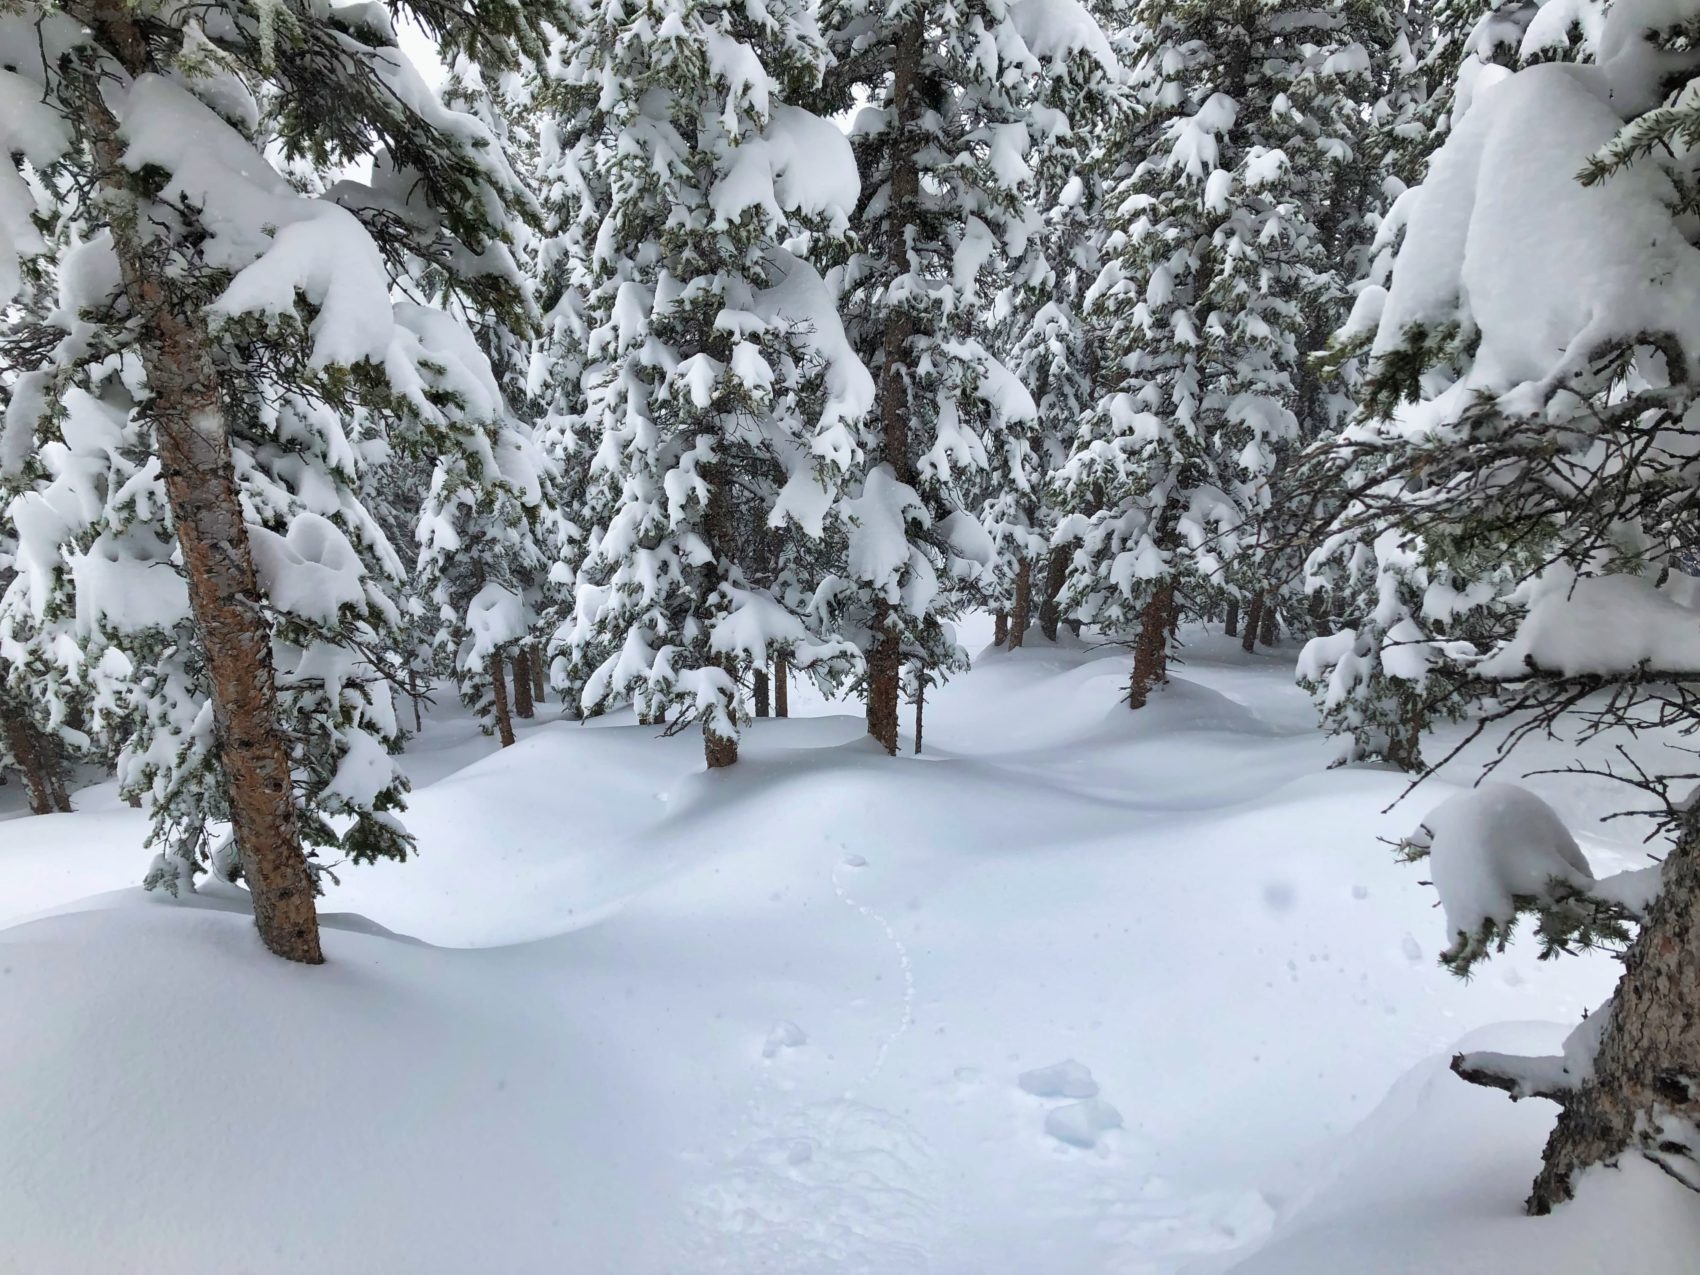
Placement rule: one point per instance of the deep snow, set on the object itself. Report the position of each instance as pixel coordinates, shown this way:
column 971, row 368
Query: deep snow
column 1079, row 990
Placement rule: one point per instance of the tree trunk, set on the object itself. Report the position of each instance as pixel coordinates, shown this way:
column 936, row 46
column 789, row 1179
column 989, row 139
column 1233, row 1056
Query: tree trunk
column 781, row 686
column 1268, row 631
column 761, row 685
column 1231, row 626
column 1253, row 621
column 539, row 683
column 522, row 684
column 1023, row 611
column 1319, row 613
column 414, row 693
column 719, row 751
column 1050, row 610
column 186, row 408
column 499, row 689
column 885, row 681
column 38, row 761
column 1405, row 743
column 920, row 707
column 1644, row 1090
column 903, row 213
column 1000, row 627
column 1151, row 650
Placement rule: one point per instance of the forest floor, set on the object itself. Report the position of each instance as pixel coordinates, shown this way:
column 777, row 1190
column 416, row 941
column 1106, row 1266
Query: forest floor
column 623, row 1016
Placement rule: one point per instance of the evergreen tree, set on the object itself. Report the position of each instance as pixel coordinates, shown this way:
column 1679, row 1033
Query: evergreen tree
column 199, row 422
column 1071, row 108
column 943, row 137
column 1236, row 224
column 716, row 399
column 1541, row 419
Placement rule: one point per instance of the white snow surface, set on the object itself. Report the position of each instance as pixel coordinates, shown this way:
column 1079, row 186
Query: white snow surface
column 1078, row 990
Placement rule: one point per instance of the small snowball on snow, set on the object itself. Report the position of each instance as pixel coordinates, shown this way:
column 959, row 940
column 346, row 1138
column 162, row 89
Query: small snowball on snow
column 1081, row 1124
column 855, row 861
column 1066, row 1079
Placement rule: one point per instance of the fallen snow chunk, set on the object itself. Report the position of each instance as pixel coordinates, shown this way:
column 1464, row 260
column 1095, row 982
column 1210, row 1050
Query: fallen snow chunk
column 1067, row 1079
column 1081, row 1124
column 855, row 861
column 785, row 1035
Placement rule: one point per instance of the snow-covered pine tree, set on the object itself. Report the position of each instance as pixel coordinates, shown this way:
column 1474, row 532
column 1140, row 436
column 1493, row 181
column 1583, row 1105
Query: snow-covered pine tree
column 942, row 135
column 1233, row 228
column 1522, row 410
column 1041, row 330
column 219, row 329
column 487, row 545
column 717, row 385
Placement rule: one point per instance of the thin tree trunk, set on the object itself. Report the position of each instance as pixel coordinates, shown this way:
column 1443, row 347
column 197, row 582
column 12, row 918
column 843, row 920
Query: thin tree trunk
column 1319, row 613
column 186, row 406
column 499, row 690
column 1023, row 611
column 1253, row 621
column 885, row 659
column 920, row 707
column 35, row 762
column 781, row 686
column 414, row 693
column 1231, row 626
column 1050, row 610
column 761, row 685
column 1405, row 744
column 1000, row 627
column 1268, row 631
column 885, row 678
column 1643, row 1092
column 539, row 683
column 1151, row 650
column 522, row 684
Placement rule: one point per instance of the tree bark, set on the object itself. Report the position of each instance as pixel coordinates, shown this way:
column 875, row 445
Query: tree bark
column 539, row 683
column 781, row 686
column 499, row 690
column 1253, row 621
column 1319, row 613
column 1268, row 632
column 885, row 681
column 186, row 408
column 522, row 684
column 38, row 761
column 920, row 707
column 1644, row 1091
column 1050, row 610
column 1000, row 627
column 1231, row 625
column 761, row 685
column 415, row 694
column 1151, row 650
column 885, row 659
column 1019, row 617
column 1405, row 743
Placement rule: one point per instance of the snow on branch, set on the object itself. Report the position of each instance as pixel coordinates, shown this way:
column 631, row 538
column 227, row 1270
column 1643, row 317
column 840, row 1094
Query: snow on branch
column 1497, row 852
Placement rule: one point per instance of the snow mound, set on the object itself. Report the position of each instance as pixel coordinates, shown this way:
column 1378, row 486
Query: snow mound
column 1434, row 1180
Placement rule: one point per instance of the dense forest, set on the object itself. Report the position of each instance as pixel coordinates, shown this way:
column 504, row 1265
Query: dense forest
column 686, row 365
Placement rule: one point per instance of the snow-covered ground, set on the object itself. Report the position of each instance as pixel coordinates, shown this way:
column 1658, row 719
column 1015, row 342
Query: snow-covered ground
column 623, row 1016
